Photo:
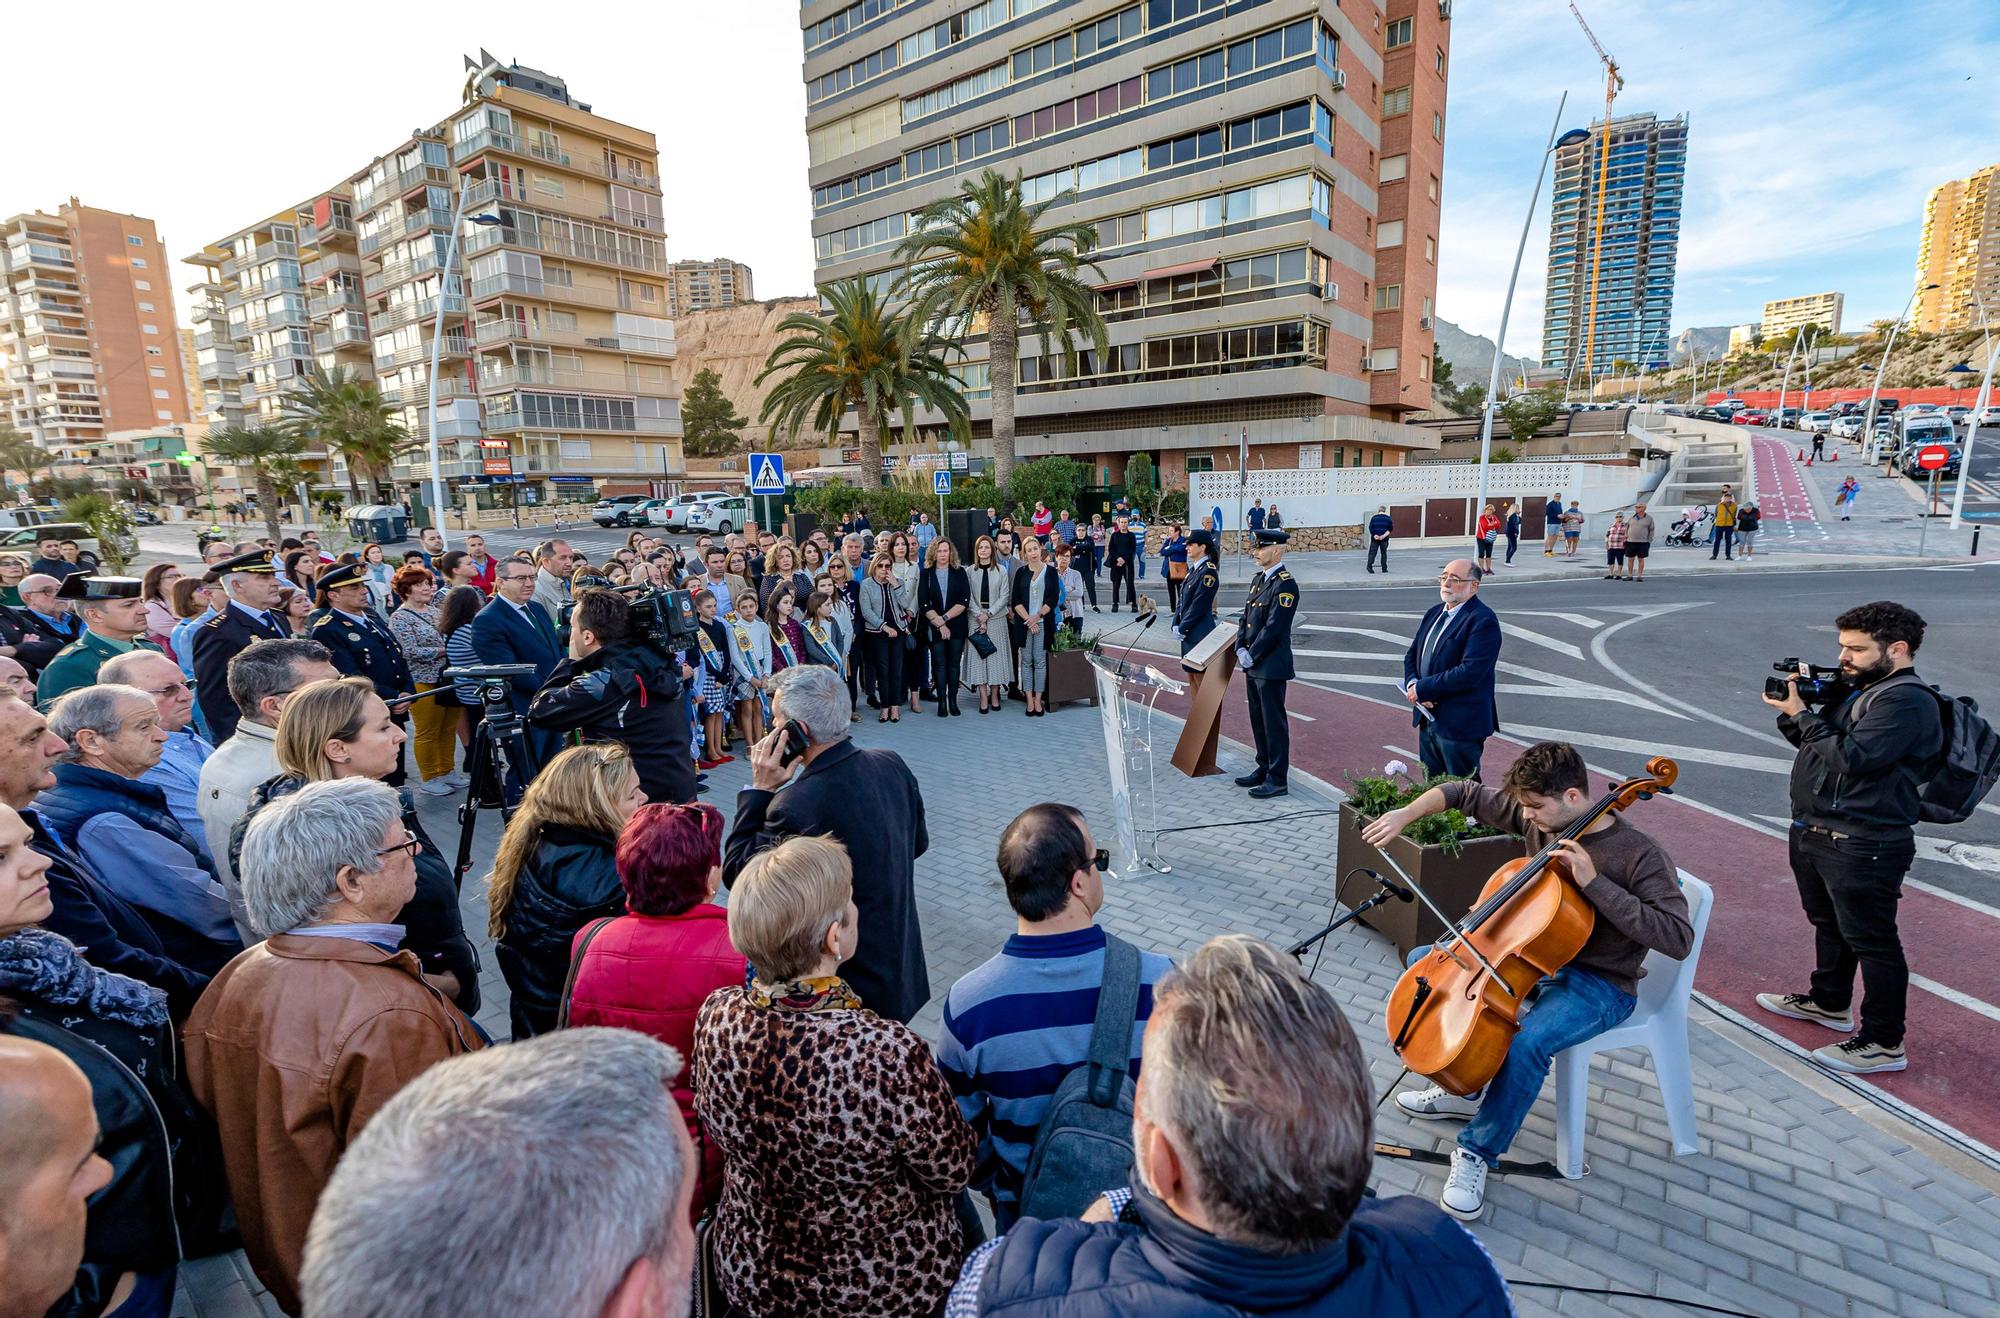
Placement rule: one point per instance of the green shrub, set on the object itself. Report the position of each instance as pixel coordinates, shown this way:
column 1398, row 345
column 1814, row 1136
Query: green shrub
column 1057, row 482
column 1373, row 795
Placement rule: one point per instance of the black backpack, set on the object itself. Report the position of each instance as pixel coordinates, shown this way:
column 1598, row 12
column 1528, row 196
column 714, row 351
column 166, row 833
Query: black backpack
column 1084, row 1145
column 1969, row 765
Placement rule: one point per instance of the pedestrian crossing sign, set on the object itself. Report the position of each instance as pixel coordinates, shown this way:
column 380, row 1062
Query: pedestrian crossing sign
column 941, row 481
column 767, row 473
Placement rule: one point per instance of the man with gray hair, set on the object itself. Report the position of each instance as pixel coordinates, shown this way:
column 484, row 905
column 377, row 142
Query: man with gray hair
column 549, row 1177
column 123, row 828
column 1252, row 1136
column 868, row 801
column 553, row 559
column 298, row 1042
column 178, row 773
column 261, row 679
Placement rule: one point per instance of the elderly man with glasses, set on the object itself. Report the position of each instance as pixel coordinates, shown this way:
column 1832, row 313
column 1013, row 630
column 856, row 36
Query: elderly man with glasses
column 1448, row 675
column 178, row 773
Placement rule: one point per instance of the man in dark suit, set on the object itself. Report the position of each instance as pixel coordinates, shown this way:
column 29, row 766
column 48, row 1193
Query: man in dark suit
column 1264, row 652
column 44, row 621
column 1194, row 615
column 1448, row 675
column 513, row 629
column 360, row 644
column 1122, row 549
column 251, row 583
column 868, row 801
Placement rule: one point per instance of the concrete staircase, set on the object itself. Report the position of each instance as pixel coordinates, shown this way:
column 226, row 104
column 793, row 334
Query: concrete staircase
column 1707, row 456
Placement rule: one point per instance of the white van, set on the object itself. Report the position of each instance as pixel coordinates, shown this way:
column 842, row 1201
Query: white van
column 1916, row 430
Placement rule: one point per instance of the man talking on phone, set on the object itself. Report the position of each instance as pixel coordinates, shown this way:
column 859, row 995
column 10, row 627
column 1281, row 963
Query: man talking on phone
column 866, row 800
column 614, row 686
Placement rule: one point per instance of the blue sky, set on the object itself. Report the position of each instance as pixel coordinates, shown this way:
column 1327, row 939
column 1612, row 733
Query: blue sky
column 1815, row 132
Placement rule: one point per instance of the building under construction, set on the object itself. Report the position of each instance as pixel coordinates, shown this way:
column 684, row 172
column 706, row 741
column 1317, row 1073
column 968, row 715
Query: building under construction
column 1611, row 292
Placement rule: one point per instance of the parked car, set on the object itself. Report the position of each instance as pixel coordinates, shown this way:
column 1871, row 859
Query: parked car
column 1886, row 405
column 1847, row 409
column 673, row 513
column 22, row 540
column 1990, row 417
column 1922, row 409
column 1786, row 418
column 1749, row 416
column 1906, row 461
column 719, row 516
column 1847, row 427
column 618, row 509
column 1719, row 414
column 1815, row 423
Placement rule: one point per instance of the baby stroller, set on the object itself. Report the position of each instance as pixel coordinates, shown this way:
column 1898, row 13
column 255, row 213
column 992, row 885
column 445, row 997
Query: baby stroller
column 1692, row 527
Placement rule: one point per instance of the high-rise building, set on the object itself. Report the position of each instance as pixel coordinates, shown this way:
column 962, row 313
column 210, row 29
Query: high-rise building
column 1263, row 178
column 554, row 363
column 1632, row 281
column 1959, row 251
column 706, row 285
column 87, row 337
column 1791, row 313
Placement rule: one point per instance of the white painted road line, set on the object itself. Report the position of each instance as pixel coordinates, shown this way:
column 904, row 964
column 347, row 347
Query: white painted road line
column 1965, row 1000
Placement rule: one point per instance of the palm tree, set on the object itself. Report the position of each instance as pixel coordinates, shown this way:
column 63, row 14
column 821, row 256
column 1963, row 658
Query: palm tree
column 268, row 452
column 862, row 355
column 350, row 418
column 980, row 254
column 19, row 453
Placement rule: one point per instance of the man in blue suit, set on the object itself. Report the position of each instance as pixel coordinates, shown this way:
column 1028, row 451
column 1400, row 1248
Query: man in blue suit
column 513, row 629
column 1448, row 675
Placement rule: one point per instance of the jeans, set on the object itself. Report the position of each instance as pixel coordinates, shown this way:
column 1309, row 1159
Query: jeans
column 1032, row 660
column 1378, row 548
column 1123, row 576
column 1725, row 542
column 1513, row 543
column 1849, row 888
column 1568, row 1007
column 946, row 654
column 1444, row 755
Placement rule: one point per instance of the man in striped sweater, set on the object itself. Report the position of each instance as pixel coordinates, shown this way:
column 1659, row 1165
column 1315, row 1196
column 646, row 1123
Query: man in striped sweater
column 1016, row 1025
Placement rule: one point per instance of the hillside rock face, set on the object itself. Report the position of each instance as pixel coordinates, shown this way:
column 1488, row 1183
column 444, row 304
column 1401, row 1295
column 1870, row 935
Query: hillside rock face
column 1471, row 355
column 733, row 342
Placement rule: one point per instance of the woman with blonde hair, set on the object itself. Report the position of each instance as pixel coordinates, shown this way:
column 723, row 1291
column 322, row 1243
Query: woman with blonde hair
column 991, row 592
column 339, row 728
column 781, row 568
column 781, row 1068
column 556, row 871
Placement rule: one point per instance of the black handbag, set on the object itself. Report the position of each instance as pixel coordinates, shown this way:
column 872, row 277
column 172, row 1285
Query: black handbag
column 983, row 644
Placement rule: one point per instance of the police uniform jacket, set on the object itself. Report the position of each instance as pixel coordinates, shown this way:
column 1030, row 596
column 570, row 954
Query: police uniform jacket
column 1195, row 614
column 362, row 647
column 215, row 643
column 77, row 663
column 1266, row 627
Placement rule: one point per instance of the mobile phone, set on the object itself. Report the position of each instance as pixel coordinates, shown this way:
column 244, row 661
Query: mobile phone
column 796, row 743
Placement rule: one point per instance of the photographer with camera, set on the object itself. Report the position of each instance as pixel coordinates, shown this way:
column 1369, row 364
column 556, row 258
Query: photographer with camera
column 1869, row 737
column 618, row 686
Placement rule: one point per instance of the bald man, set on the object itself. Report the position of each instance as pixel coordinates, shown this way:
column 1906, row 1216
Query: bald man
column 16, row 677
column 1448, row 675
column 48, row 1167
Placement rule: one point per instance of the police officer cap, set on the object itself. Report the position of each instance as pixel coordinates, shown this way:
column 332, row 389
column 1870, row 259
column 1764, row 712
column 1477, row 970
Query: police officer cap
column 1278, row 537
column 79, row 586
column 1206, row 539
column 257, row 561
column 347, row 574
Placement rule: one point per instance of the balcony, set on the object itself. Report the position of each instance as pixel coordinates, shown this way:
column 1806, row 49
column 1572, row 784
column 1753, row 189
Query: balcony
column 338, row 231
column 493, row 378
column 454, row 346
column 222, row 367
column 281, row 318
column 496, row 333
column 416, row 395
column 321, row 267
column 424, row 309
column 340, row 299
column 341, row 336
column 500, row 422
column 398, row 272
column 428, row 218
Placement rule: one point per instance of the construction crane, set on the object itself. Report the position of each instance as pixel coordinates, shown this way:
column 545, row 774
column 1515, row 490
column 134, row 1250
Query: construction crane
column 1614, row 82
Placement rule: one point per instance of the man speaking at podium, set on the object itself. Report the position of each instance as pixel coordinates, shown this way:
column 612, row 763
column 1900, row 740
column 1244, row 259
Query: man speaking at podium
column 1264, row 651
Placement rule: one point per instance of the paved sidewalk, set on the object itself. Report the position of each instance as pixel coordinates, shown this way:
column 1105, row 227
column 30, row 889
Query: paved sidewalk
column 1801, row 1201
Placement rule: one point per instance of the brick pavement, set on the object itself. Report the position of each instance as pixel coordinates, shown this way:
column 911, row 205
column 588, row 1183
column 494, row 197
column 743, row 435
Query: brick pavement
column 1802, row 1200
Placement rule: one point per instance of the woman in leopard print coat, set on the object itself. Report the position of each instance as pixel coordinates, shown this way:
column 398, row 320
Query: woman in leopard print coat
column 842, row 1149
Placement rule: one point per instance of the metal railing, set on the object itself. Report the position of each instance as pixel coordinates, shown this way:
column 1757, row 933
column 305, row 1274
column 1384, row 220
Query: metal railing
column 454, row 346
column 399, row 272
column 499, row 421
column 511, row 331
column 543, row 377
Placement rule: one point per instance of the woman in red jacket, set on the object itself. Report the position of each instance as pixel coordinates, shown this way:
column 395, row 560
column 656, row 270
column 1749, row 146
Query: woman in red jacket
column 651, row 970
column 1485, row 533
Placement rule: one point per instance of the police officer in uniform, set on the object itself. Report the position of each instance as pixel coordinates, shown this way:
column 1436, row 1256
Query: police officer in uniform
column 1194, row 615
column 359, row 643
column 251, row 581
column 114, row 621
column 1264, row 649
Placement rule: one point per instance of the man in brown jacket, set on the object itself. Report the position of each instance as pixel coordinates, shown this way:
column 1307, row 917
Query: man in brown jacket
column 299, row 1040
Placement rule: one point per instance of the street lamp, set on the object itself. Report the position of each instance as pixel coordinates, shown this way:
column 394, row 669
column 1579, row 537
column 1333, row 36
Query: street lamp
column 1571, row 138
column 458, row 217
column 1882, row 371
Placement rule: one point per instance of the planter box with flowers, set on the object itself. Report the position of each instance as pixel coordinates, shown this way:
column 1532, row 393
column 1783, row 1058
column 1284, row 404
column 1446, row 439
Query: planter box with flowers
column 1448, row 855
column 1070, row 675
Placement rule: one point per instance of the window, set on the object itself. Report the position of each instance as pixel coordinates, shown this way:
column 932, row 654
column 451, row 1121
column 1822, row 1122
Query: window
column 1440, row 63
column 1084, row 109
column 153, row 352
column 1395, row 101
column 161, row 393
column 835, row 26
column 1394, row 168
column 149, row 329
column 969, row 88
column 1385, row 359
column 857, row 132
column 1197, row 463
column 145, row 306
column 940, row 36
column 1389, row 233
column 860, row 237
column 1434, row 187
column 138, row 263
column 164, row 416
column 562, row 320
column 1437, row 126
column 1427, row 304
column 157, row 372
column 1430, row 249
column 1234, row 60
column 135, row 240
column 1119, row 231
column 1077, row 44
column 1159, row 13
column 1388, row 297
column 1424, row 367
column 142, row 286
column 848, row 76
column 1400, row 33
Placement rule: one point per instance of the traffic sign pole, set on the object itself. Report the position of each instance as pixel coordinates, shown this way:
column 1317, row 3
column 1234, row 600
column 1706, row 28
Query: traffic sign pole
column 941, row 482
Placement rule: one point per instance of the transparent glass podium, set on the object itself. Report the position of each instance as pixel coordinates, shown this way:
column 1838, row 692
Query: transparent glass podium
column 1127, row 691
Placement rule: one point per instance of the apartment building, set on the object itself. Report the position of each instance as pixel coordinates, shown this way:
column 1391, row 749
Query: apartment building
column 87, row 334
column 1959, row 251
column 1264, row 179
column 1631, row 281
column 1785, row 315
column 554, row 363
column 706, row 285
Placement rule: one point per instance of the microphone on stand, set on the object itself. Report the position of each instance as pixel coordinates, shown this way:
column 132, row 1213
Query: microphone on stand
column 1141, row 621
column 1144, row 622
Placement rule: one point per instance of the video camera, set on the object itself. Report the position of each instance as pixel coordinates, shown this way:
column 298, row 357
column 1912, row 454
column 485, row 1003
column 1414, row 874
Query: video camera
column 661, row 617
column 1816, row 685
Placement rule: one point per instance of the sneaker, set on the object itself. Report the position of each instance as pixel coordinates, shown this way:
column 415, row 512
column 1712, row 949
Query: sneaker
column 1436, row 1104
column 1801, row 1007
column 1861, row 1056
column 1464, row 1194
column 437, row 787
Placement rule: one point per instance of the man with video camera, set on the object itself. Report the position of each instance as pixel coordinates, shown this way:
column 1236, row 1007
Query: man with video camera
column 615, row 686
column 1868, row 738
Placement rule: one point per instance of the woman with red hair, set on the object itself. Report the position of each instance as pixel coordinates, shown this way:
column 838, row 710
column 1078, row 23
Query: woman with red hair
column 650, row 970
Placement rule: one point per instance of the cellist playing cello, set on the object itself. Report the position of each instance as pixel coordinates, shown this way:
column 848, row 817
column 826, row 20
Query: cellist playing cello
column 1636, row 894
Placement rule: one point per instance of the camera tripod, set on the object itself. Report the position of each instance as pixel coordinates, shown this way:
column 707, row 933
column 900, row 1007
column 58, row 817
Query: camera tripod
column 499, row 766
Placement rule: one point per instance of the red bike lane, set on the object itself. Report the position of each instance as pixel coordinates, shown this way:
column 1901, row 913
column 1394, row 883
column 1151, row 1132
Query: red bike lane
column 1758, row 940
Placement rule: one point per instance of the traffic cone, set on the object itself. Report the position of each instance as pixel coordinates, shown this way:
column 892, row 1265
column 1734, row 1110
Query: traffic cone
column 1802, row 456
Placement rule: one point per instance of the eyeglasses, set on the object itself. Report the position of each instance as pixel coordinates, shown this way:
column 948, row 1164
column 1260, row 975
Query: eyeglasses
column 1102, row 860
column 172, row 688
column 409, row 845
column 1448, row 579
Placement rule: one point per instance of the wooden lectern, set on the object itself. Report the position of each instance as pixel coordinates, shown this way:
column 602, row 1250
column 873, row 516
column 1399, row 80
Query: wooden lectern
column 1213, row 660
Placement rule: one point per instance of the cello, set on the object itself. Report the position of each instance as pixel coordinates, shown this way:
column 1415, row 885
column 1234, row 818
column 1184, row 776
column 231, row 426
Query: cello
column 1453, row 1015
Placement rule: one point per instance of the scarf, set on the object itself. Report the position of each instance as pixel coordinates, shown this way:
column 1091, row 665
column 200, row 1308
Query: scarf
column 809, row 994
column 44, row 965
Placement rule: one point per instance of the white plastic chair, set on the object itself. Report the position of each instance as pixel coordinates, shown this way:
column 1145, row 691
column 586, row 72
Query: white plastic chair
column 1659, row 1024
